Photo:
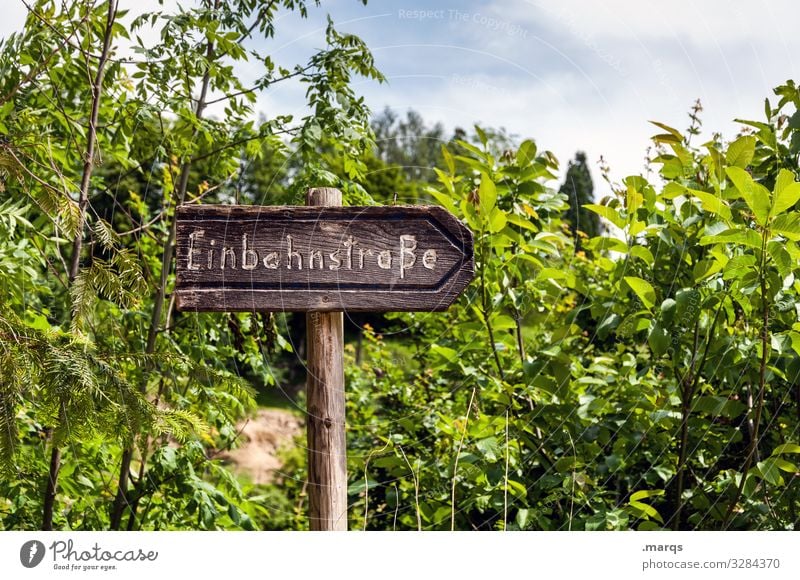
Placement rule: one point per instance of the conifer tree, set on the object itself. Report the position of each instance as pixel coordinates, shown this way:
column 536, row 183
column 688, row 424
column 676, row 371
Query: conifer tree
column 579, row 189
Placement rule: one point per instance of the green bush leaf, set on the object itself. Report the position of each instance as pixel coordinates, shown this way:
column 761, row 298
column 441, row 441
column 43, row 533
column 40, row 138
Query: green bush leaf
column 645, row 493
column 786, row 193
column 658, row 339
column 488, row 195
column 739, row 236
column 755, row 195
column 786, row 448
column 608, row 213
column 788, row 226
column 711, row 203
column 740, row 152
column 643, row 289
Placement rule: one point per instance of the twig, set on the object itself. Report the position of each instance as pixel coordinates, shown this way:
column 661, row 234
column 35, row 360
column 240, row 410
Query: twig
column 416, row 489
column 455, row 464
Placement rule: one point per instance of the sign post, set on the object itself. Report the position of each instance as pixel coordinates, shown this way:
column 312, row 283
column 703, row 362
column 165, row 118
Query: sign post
column 321, row 259
column 325, row 424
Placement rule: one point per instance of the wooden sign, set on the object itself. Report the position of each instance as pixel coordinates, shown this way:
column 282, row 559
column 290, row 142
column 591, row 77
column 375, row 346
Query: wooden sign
column 321, row 259
column 294, row 258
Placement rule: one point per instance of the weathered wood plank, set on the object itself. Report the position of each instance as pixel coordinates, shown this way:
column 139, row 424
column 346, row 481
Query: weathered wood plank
column 289, row 258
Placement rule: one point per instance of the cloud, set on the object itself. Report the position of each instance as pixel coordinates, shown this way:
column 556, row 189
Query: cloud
column 13, row 19
column 571, row 74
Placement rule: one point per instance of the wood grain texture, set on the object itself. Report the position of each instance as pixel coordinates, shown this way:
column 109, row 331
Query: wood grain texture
column 291, row 258
column 327, row 450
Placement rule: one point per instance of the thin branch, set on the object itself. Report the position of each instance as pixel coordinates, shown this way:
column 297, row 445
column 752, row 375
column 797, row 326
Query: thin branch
column 238, row 142
column 455, row 464
column 416, row 489
column 264, row 11
column 88, row 164
column 260, row 86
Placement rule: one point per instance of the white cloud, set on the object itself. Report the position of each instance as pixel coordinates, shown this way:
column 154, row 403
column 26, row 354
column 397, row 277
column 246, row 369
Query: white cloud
column 13, row 19
column 705, row 22
column 572, row 74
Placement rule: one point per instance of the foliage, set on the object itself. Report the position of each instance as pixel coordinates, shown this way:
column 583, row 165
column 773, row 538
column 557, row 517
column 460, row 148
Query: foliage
column 108, row 123
column 643, row 378
column 653, row 386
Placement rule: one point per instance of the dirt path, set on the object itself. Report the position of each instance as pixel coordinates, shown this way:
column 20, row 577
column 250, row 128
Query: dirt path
column 261, row 437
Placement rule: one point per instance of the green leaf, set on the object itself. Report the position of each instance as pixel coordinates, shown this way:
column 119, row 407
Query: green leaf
column 786, row 448
column 787, row 225
column 608, row 213
column 738, row 266
column 445, row 200
column 564, row 464
column 718, row 406
column 643, row 253
column 658, row 340
column 740, row 152
column 488, row 195
column 360, row 485
column 643, row 289
column 522, row 222
column 770, row 469
column 522, row 517
column 645, row 493
column 787, row 192
column 497, row 220
column 517, row 489
column 489, row 448
column 755, row 195
column 481, row 135
column 646, row 510
column 526, row 153
column 739, row 236
column 781, row 258
column 502, row 322
column 633, row 198
column 606, row 243
column 711, row 203
column 687, row 306
column 674, row 132
column 446, row 353
column 448, row 160
column 668, row 310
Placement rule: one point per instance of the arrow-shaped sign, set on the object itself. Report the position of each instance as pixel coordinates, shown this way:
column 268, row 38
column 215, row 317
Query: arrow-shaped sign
column 288, row 258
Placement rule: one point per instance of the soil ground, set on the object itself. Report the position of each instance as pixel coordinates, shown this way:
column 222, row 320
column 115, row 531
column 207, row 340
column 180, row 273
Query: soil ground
column 261, row 437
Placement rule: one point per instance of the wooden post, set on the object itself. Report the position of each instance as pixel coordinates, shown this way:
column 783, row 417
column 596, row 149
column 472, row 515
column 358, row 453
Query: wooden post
column 327, row 452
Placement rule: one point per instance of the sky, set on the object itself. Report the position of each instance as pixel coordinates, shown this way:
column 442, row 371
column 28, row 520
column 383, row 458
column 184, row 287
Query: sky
column 572, row 75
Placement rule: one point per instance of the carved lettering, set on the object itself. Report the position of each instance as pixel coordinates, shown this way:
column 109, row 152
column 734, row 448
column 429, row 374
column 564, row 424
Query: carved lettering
column 226, row 252
column 350, row 255
column 211, row 255
column 336, row 261
column 290, row 253
column 429, row 259
column 249, row 256
column 348, row 245
column 407, row 257
column 272, row 261
column 385, row 260
column 315, row 255
column 361, row 253
column 192, row 237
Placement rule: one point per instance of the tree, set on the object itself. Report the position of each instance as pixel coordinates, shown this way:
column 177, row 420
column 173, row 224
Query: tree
column 102, row 147
column 408, row 143
column 579, row 189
